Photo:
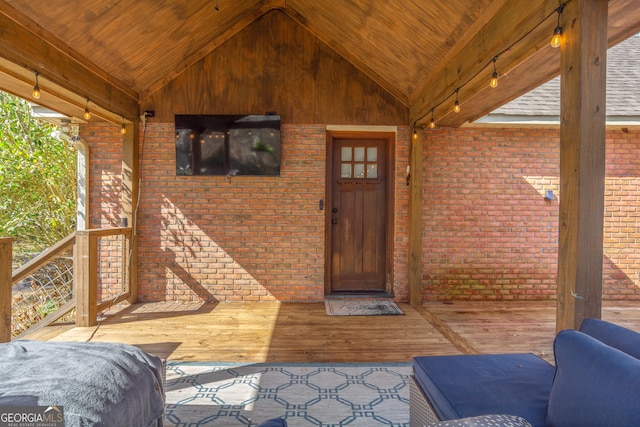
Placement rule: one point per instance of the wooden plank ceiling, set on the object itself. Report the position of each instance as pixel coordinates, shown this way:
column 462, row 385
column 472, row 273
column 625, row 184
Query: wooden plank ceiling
column 119, row 52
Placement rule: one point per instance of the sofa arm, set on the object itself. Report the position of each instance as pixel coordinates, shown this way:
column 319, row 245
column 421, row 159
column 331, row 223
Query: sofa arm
column 484, row 420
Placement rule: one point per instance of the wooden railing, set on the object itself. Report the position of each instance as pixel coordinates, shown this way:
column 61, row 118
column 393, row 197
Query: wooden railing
column 91, row 261
column 87, row 267
column 49, row 255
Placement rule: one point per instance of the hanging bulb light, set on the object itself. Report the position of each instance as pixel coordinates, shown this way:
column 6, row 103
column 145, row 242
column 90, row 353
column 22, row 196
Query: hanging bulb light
column 432, row 123
column 87, row 113
column 415, row 134
column 456, row 105
column 494, row 77
column 36, row 89
column 557, row 33
column 123, row 129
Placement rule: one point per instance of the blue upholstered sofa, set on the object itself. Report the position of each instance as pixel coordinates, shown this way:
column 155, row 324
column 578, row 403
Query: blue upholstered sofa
column 595, row 382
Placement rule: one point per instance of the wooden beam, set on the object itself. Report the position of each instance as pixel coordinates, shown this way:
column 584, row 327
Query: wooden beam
column 130, row 190
column 582, row 162
column 416, row 161
column 27, row 45
column 540, row 66
column 18, row 80
column 6, row 254
column 513, row 22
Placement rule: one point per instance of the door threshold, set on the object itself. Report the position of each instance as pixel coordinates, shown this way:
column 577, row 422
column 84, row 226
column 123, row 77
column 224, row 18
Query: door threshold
column 359, row 295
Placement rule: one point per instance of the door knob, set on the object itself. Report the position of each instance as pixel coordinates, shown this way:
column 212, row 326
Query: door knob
column 334, row 210
column 334, row 221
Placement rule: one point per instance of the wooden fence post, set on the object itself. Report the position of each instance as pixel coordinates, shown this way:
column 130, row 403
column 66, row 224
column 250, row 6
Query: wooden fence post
column 85, row 275
column 6, row 252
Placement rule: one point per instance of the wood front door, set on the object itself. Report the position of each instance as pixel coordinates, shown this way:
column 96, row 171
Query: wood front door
column 358, row 213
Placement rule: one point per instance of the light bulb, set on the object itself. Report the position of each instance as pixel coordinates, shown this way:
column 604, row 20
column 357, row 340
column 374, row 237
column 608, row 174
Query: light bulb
column 36, row 89
column 415, row 134
column 456, row 107
column 494, row 80
column 87, row 113
column 123, row 129
column 557, row 37
column 432, row 124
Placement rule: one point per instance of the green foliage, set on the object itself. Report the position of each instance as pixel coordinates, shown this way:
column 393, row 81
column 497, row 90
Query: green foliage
column 37, row 177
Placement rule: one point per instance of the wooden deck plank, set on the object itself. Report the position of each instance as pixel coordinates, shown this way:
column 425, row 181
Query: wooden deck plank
column 267, row 332
column 302, row 332
column 519, row 327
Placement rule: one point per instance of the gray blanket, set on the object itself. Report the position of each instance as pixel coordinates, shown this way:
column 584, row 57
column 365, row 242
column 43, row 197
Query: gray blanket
column 97, row 384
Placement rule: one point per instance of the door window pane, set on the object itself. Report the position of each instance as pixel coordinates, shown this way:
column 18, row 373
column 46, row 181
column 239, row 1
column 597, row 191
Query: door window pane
column 346, row 154
column 345, row 171
column 372, row 154
column 358, row 170
column 372, row 170
column 358, row 154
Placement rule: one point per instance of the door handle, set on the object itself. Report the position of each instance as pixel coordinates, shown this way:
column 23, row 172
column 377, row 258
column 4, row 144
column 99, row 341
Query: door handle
column 334, row 221
column 334, row 210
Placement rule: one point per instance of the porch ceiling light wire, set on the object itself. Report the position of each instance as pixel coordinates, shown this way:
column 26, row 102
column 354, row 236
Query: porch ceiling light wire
column 493, row 58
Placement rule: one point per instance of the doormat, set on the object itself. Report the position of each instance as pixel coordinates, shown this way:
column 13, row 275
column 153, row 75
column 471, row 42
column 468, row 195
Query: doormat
column 349, row 307
column 306, row 395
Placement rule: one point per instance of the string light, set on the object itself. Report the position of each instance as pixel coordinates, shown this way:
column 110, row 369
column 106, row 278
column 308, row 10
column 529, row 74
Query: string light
column 36, row 89
column 557, row 33
column 415, row 133
column 494, row 77
column 123, row 129
column 493, row 83
column 87, row 113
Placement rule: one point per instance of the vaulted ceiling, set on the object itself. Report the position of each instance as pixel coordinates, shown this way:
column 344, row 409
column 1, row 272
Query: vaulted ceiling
column 119, row 52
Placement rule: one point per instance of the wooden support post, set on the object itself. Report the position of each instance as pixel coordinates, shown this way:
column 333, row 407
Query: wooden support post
column 582, row 162
column 6, row 253
column 415, row 218
column 85, row 277
column 130, row 188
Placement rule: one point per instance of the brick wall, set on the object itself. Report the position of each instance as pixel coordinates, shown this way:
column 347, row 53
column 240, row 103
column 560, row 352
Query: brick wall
column 488, row 232
column 622, row 216
column 105, row 174
column 234, row 239
column 105, row 192
column 490, row 235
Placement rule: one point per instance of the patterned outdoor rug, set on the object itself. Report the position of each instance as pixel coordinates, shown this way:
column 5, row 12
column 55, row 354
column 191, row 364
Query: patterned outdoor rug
column 355, row 307
column 325, row 395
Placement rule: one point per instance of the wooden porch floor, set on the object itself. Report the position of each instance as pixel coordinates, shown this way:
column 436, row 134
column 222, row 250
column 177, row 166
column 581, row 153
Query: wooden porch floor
column 301, row 332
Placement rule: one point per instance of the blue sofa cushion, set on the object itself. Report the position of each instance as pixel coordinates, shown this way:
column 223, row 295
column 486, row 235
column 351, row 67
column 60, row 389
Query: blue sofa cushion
column 595, row 384
column 472, row 385
column 484, row 421
column 275, row 422
column 614, row 335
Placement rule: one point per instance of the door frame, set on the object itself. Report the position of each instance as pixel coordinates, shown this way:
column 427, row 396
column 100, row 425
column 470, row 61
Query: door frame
column 389, row 134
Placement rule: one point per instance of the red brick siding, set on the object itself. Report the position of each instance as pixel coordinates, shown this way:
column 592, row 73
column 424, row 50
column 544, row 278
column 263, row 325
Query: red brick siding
column 105, row 204
column 105, row 174
column 488, row 232
column 490, row 235
column 622, row 216
column 243, row 238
